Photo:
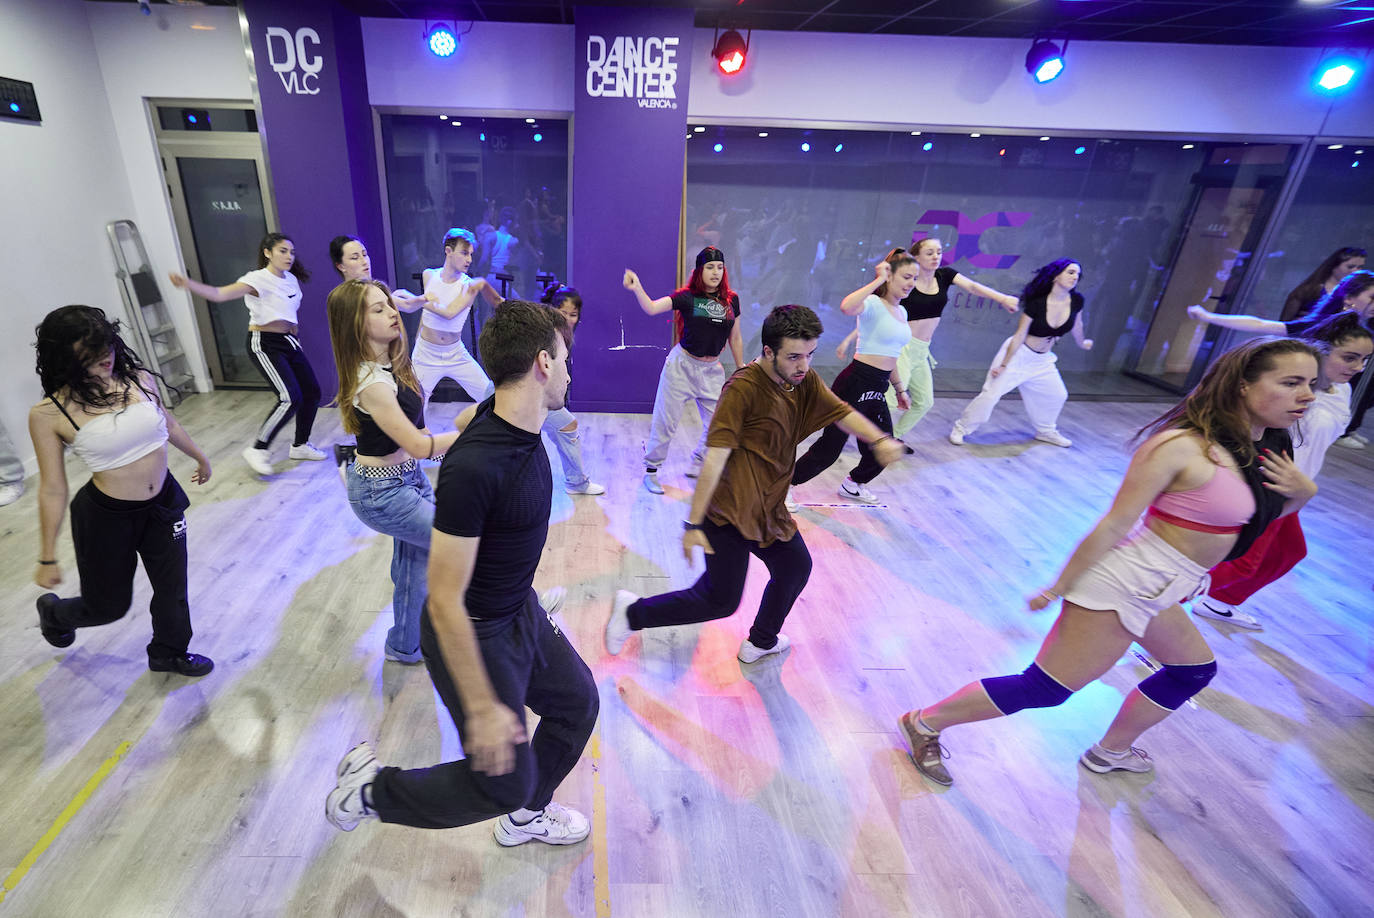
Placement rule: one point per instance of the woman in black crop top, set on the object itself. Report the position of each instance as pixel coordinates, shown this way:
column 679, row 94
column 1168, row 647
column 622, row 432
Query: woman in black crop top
column 924, row 306
column 1026, row 361
column 379, row 401
column 706, row 311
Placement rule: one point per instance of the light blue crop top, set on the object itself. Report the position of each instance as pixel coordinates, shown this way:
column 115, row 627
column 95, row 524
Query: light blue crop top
column 880, row 332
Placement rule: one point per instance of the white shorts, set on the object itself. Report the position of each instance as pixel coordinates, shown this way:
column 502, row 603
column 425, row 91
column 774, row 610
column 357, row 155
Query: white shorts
column 1140, row 577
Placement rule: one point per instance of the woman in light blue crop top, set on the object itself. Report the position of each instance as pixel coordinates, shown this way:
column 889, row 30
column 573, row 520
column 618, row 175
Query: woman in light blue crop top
column 93, row 385
column 883, row 332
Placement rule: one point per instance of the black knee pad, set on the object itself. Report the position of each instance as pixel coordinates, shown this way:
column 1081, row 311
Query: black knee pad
column 1031, row 688
column 1175, row 683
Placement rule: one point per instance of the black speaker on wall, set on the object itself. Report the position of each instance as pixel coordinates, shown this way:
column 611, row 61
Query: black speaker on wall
column 17, row 100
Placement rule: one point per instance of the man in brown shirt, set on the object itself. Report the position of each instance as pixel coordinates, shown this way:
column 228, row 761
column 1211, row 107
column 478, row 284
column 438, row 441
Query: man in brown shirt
column 765, row 410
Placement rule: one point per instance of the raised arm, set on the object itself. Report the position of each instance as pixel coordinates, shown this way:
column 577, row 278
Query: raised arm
column 214, row 294
column 52, row 491
column 492, row 730
column 1016, row 341
column 650, row 307
column 1252, row 324
column 887, row 449
column 405, row 301
column 379, row 401
column 1007, row 302
column 853, row 304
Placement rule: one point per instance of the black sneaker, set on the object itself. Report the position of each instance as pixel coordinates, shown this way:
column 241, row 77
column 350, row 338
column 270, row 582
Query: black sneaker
column 185, row 664
column 51, row 631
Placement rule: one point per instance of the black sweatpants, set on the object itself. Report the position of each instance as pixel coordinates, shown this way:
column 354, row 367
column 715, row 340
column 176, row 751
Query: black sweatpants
column 284, row 365
column 864, row 387
column 717, row 592
column 110, row 536
column 530, row 664
column 1359, row 409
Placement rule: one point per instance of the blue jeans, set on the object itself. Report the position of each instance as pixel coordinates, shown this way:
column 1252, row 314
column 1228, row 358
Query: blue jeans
column 403, row 508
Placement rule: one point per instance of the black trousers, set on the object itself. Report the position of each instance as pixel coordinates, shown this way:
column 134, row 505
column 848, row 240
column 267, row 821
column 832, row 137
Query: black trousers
column 717, row 592
column 110, row 536
column 284, row 365
column 865, row 388
column 1359, row 409
column 530, row 664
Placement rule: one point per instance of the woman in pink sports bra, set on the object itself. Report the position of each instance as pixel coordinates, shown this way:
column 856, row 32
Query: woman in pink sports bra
column 1124, row 582
column 102, row 403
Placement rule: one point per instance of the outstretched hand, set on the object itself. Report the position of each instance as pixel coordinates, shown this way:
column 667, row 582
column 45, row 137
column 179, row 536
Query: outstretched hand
column 1199, row 313
column 1285, row 477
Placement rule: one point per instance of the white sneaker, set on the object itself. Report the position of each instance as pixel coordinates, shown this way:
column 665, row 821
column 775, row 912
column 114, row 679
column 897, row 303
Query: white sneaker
column 1054, row 437
column 1361, row 437
column 344, row 807
column 694, row 468
column 855, row 491
column 748, row 653
column 586, row 487
column 551, row 600
column 259, row 460
column 618, row 628
column 651, row 483
column 557, row 825
column 956, row 435
column 1207, row 607
column 790, row 502
column 306, row 451
column 10, row 493
column 1350, row 441
column 1104, row 760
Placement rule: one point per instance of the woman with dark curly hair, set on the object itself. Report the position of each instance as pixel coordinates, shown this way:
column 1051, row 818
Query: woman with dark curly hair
column 100, row 401
column 1337, row 266
column 1051, row 308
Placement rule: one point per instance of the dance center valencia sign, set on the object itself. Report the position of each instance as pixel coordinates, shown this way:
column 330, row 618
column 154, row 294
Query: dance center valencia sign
column 631, row 67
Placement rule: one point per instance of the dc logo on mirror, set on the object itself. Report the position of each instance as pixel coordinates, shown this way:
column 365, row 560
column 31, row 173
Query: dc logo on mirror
column 296, row 65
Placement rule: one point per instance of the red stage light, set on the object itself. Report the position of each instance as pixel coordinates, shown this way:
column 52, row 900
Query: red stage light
column 730, row 51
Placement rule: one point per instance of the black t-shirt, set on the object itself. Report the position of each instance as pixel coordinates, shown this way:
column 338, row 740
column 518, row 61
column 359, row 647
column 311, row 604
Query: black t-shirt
column 1037, row 307
column 705, row 322
column 372, row 440
column 920, row 305
column 495, row 485
column 1268, row 502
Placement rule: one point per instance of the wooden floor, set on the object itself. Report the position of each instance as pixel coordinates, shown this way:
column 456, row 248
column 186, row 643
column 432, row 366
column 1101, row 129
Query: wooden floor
column 715, row 789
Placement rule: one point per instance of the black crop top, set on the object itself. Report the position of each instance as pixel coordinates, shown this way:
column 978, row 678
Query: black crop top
column 920, row 305
column 1035, row 308
column 372, row 441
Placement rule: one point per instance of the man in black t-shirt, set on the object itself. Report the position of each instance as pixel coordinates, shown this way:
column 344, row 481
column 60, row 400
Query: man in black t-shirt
column 490, row 649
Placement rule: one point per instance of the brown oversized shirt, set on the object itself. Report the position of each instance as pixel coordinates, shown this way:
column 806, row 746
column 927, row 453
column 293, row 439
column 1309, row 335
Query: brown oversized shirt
column 762, row 423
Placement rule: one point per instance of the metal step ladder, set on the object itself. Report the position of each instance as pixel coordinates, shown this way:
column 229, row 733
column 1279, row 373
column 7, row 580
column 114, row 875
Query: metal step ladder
column 156, row 336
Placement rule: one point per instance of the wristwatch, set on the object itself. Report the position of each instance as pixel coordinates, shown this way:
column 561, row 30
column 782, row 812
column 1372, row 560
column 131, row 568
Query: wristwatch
column 688, row 526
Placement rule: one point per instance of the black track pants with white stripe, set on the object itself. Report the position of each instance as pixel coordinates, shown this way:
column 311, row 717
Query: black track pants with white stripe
column 282, row 362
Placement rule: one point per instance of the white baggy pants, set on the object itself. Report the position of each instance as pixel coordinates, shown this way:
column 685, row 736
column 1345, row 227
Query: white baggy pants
column 1036, row 375
column 432, row 362
column 684, row 379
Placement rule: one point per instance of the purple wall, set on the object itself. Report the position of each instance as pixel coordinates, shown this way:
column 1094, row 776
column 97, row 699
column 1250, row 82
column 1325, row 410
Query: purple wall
column 628, row 150
column 317, row 128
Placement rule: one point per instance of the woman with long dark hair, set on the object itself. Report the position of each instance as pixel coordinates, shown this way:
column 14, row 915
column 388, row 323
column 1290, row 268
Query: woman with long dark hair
column 1051, row 308
column 348, row 255
column 272, row 294
column 102, row 403
column 1337, row 266
column 561, row 425
column 706, row 314
column 1212, row 473
column 883, row 332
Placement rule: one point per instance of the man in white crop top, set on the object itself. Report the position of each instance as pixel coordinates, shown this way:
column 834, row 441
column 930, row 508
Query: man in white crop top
column 449, row 295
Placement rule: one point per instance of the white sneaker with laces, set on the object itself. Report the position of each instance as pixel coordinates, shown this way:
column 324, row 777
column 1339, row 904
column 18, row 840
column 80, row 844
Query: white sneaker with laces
column 956, row 435
column 618, row 628
column 1350, row 441
column 10, row 493
column 586, row 487
column 259, row 460
column 1207, row 607
column 790, row 502
column 855, row 491
column 556, row 825
column 748, row 653
column 1101, row 760
column 344, row 807
column 1361, row 437
column 1054, row 437
column 651, row 483
column 306, row 451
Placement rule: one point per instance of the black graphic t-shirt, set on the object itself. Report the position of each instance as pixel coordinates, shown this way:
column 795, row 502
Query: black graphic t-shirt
column 704, row 322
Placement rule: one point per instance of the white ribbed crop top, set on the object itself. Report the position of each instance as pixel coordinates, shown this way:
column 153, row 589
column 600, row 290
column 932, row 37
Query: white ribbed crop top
column 445, row 293
column 880, row 332
column 117, row 438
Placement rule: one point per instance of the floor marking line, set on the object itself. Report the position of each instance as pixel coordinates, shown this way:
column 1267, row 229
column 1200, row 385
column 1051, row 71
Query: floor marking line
column 63, row 818
column 600, row 856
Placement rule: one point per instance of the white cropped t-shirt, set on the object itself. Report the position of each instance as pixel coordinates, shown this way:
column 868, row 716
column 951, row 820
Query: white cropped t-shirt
column 279, row 298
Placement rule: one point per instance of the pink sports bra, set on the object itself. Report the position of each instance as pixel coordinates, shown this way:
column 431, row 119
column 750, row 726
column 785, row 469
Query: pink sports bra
column 1223, row 504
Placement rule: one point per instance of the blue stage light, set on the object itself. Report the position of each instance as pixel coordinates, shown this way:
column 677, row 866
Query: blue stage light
column 442, row 42
column 1045, row 60
column 191, row 118
column 1079, row 151
column 839, row 147
column 1337, row 73
column 14, row 106
column 538, row 138
column 927, row 146
column 806, row 148
column 482, row 136
column 718, row 147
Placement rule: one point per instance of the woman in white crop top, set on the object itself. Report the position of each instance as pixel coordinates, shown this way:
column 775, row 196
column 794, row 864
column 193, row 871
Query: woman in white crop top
column 449, row 296
column 102, row 402
column 883, row 332
column 272, row 294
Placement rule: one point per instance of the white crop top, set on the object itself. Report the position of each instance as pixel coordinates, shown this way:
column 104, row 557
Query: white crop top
column 279, row 298
column 109, row 441
column 445, row 293
column 880, row 332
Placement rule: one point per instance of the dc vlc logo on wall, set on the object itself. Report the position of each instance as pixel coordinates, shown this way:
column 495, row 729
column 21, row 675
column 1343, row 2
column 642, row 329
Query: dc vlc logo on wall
column 625, row 67
column 295, row 64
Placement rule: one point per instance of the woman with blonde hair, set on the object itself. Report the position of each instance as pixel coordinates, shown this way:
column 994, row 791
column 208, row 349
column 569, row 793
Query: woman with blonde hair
column 381, row 403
